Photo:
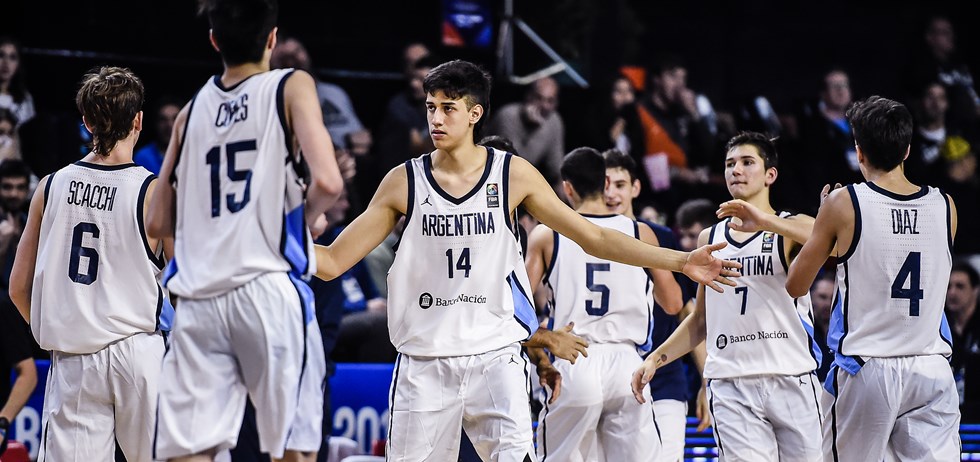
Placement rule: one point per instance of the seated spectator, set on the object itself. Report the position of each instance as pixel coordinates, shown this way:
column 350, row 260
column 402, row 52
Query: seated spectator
column 962, row 296
column 404, row 130
column 612, row 117
column 164, row 114
column 924, row 164
column 9, row 145
column 963, row 185
column 822, row 296
column 13, row 89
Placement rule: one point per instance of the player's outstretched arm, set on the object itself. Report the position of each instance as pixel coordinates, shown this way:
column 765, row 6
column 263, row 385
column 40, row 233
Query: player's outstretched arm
column 834, row 214
column 750, row 219
column 306, row 120
column 160, row 218
column 562, row 342
column 22, row 273
column 529, row 188
column 368, row 230
column 540, row 245
column 666, row 290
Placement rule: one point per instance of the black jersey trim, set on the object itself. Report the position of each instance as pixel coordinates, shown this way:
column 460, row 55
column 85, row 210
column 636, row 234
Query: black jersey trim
column 427, row 166
column 857, row 225
column 949, row 221
column 47, row 191
column 731, row 240
column 183, row 139
column 158, row 261
column 781, row 248
column 554, row 257
column 923, row 190
column 391, row 395
column 281, row 111
column 107, row 168
column 217, row 82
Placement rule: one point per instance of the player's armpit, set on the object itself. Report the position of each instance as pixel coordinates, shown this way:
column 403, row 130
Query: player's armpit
column 830, row 220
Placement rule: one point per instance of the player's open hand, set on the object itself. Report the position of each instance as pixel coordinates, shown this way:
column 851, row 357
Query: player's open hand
column 703, row 411
column 825, row 192
column 744, row 216
column 642, row 376
column 704, row 268
column 566, row 345
column 550, row 379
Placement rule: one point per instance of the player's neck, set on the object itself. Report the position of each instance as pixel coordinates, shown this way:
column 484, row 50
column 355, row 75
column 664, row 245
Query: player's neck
column 462, row 158
column 235, row 74
column 893, row 180
column 593, row 206
column 760, row 200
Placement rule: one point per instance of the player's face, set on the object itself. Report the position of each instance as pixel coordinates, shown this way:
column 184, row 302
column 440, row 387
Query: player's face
column 450, row 121
column 959, row 294
column 688, row 237
column 745, row 173
column 620, row 191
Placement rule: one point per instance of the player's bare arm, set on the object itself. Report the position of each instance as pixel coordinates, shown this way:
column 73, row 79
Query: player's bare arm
column 750, row 219
column 368, row 230
column 548, row 376
column 530, row 189
column 22, row 273
column 562, row 342
column 688, row 335
column 666, row 290
column 304, row 116
column 702, row 410
column 832, row 229
column 952, row 216
column 160, row 221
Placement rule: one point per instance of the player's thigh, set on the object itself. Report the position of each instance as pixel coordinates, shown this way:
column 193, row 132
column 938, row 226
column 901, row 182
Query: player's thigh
column 496, row 407
column 134, row 374
column 306, row 430
column 739, row 430
column 426, row 412
column 670, row 416
column 859, row 412
column 77, row 418
column 794, row 410
column 567, row 428
column 928, row 426
column 626, row 428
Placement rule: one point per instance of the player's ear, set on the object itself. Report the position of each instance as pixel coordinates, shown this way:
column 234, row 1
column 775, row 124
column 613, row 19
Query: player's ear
column 636, row 189
column 476, row 113
column 272, row 39
column 87, row 125
column 771, row 174
column 138, row 122
column 214, row 43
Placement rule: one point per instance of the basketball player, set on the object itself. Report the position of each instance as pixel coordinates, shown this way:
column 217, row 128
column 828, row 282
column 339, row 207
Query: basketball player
column 233, row 199
column 669, row 387
column 761, row 354
column 85, row 277
column 611, row 306
column 458, row 300
column 892, row 394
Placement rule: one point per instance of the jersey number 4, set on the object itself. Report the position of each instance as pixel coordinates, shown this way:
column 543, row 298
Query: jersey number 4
column 909, row 272
column 78, row 251
column 213, row 158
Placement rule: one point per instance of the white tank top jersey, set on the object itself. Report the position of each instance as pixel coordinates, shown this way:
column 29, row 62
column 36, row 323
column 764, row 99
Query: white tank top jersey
column 756, row 328
column 892, row 280
column 95, row 279
column 458, row 285
column 609, row 302
column 239, row 191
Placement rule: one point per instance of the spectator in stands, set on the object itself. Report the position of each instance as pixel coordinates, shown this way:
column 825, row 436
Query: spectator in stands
column 13, row 89
column 822, row 297
column 535, row 128
column 404, row 132
column 924, row 164
column 939, row 61
column 961, row 182
column 16, row 352
column 9, row 145
column 613, row 116
column 164, row 114
column 411, row 54
column 339, row 116
column 962, row 296
column 678, row 137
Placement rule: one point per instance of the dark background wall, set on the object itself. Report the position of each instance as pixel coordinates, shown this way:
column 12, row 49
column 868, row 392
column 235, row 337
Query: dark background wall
column 733, row 49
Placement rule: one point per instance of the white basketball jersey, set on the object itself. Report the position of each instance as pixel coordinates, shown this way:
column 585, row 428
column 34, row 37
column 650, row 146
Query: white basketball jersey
column 95, row 279
column 756, row 328
column 609, row 302
column 892, row 280
column 239, row 195
column 458, row 285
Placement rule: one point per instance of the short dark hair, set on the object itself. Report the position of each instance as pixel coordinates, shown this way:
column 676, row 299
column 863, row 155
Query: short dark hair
column 585, row 169
column 618, row 159
column 696, row 211
column 882, row 130
column 762, row 143
column 241, row 27
column 965, row 266
column 109, row 99
column 14, row 168
column 461, row 79
column 499, row 143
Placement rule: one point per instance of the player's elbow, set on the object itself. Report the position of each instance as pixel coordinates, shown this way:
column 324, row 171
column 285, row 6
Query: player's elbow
column 326, row 268
column 20, row 296
column 795, row 289
column 329, row 183
column 673, row 306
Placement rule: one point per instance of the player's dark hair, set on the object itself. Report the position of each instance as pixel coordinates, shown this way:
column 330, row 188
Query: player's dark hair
column 762, row 143
column 618, row 159
column 109, row 99
column 585, row 169
column 882, row 130
column 241, row 27
column 14, row 168
column 499, row 143
column 461, row 79
column 696, row 211
column 966, row 267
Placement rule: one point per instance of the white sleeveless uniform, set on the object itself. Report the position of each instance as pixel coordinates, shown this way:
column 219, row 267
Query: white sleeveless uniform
column 458, row 305
column 890, row 334
column 761, row 356
column 242, row 247
column 611, row 305
column 97, row 306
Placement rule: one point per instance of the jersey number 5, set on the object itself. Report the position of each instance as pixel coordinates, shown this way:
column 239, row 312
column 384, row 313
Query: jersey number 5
column 78, row 251
column 213, row 158
column 602, row 289
column 910, row 271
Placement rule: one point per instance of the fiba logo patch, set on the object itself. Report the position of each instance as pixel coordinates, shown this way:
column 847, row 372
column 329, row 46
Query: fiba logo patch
column 721, row 342
column 425, row 300
column 493, row 195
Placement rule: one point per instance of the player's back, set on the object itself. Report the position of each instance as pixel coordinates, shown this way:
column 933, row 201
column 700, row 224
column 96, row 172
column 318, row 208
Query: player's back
column 95, row 280
column 239, row 195
column 609, row 302
column 892, row 280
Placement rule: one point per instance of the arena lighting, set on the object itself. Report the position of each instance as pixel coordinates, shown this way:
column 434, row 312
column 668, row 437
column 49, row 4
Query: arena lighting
column 505, row 52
